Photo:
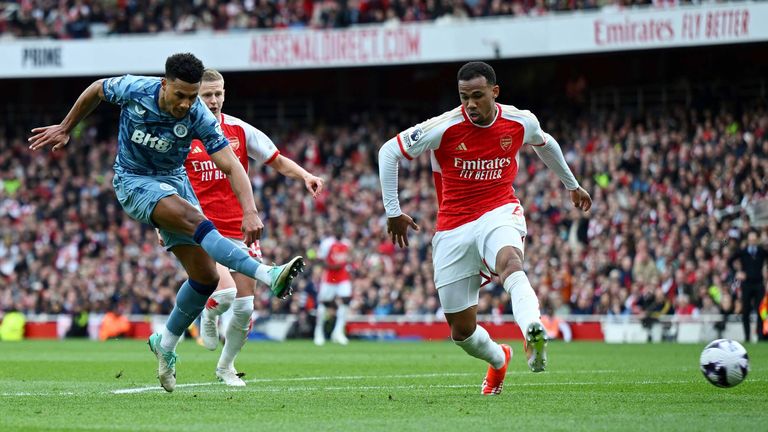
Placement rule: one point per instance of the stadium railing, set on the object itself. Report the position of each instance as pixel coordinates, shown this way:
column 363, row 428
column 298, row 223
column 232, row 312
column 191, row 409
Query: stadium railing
column 610, row 329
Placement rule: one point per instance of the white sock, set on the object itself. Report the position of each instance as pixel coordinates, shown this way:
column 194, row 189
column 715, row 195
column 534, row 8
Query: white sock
column 341, row 319
column 481, row 345
column 222, row 300
column 169, row 340
column 320, row 323
column 237, row 331
column 525, row 304
column 262, row 274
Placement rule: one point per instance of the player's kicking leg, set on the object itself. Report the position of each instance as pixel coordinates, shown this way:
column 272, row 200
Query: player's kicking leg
column 176, row 215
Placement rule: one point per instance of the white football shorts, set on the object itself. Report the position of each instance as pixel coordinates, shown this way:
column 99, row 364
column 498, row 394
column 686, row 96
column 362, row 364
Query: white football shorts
column 465, row 256
column 329, row 291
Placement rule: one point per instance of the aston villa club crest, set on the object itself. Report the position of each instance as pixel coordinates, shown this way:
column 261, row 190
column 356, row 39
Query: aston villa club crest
column 180, row 130
column 506, row 142
column 234, row 142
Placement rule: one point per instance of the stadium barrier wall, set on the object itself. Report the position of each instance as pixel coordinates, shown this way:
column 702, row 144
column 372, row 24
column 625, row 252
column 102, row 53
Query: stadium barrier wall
column 579, row 32
column 623, row 329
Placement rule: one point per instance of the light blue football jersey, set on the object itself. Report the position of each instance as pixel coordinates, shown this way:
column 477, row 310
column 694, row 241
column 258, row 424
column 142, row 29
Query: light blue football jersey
column 151, row 141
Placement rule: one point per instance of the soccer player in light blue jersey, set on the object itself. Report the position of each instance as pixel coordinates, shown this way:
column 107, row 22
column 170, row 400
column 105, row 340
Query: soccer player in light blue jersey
column 159, row 118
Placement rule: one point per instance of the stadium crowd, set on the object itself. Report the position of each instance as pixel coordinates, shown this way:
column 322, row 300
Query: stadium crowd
column 76, row 19
column 669, row 197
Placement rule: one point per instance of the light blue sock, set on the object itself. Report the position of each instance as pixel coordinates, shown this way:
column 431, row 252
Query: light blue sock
column 190, row 301
column 224, row 251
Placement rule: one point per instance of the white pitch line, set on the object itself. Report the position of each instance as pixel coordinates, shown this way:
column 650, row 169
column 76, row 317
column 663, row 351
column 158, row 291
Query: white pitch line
column 429, row 386
column 11, row 394
column 328, row 378
column 156, row 388
column 296, row 379
column 221, row 386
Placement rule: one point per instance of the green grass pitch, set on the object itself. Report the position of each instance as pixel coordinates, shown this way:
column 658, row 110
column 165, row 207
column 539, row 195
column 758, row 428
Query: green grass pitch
column 372, row 386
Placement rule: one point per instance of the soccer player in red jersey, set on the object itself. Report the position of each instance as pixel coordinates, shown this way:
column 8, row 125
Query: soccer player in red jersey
column 220, row 205
column 336, row 285
column 480, row 223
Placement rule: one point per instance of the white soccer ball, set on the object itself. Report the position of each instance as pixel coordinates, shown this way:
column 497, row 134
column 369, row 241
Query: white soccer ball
column 724, row 363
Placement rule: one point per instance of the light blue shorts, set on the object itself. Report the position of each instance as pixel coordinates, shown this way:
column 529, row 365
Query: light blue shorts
column 139, row 194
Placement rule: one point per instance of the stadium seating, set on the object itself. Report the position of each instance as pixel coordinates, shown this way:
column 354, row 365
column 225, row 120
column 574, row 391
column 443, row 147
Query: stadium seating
column 658, row 224
column 86, row 18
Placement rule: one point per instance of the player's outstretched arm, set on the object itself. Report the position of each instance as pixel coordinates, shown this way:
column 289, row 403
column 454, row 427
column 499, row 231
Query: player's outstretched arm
column 289, row 168
column 552, row 156
column 397, row 221
column 57, row 136
column 228, row 163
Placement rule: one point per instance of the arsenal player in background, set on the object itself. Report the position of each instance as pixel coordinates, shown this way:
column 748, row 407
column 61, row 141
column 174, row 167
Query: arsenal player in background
column 220, row 205
column 336, row 286
column 480, row 223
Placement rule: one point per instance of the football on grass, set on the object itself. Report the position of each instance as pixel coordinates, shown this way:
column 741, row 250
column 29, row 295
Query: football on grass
column 724, row 363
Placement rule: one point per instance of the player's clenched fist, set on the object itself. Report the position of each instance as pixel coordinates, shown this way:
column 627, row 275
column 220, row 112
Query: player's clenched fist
column 397, row 228
column 581, row 199
column 252, row 227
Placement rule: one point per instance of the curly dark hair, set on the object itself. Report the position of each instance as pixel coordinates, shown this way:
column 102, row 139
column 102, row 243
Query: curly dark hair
column 184, row 66
column 476, row 69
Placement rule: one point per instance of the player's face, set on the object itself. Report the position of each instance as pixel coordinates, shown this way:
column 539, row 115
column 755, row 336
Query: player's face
column 212, row 93
column 479, row 99
column 179, row 96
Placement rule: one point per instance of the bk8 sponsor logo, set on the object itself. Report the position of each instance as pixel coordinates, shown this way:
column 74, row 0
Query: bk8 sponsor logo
column 153, row 142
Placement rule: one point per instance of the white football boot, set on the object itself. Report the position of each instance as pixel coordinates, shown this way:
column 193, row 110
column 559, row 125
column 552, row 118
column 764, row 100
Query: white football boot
column 339, row 338
column 229, row 377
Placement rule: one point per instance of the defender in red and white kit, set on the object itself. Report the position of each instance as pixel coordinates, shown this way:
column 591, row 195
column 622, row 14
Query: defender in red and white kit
column 219, row 204
column 336, row 285
column 480, row 223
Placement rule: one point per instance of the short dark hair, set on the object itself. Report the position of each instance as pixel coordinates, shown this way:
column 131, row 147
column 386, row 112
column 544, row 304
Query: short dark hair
column 184, row 66
column 477, row 69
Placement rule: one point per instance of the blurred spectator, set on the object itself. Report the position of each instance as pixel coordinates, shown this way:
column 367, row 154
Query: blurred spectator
column 12, row 326
column 750, row 263
column 114, row 324
column 726, row 309
column 79, row 326
column 683, row 306
column 556, row 328
column 655, row 305
column 77, row 19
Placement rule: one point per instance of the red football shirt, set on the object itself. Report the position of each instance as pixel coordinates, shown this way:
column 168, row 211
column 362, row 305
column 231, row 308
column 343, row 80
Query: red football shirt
column 212, row 187
column 336, row 255
column 474, row 166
